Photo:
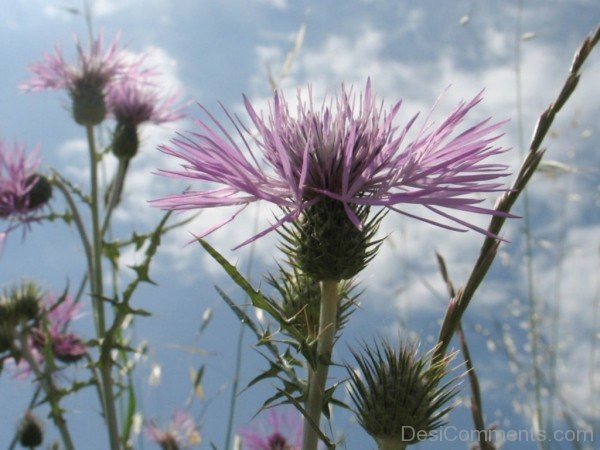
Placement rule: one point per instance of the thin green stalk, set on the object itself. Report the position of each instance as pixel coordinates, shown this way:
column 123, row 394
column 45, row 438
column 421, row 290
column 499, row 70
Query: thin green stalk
column 459, row 304
column 476, row 400
column 391, row 444
column 47, row 384
column 96, row 279
column 531, row 297
column 105, row 361
column 318, row 377
column 238, row 353
column 115, row 195
column 595, row 333
column 555, row 324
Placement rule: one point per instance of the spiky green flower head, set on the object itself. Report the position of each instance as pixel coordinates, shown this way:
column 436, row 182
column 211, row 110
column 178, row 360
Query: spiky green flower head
column 299, row 300
column 399, row 397
column 31, row 434
column 20, row 304
column 327, row 246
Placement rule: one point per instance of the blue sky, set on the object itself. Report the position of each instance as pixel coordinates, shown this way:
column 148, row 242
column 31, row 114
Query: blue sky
column 215, row 51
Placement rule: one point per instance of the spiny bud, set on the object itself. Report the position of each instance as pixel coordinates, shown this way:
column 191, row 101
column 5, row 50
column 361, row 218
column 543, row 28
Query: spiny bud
column 89, row 106
column 398, row 396
column 300, row 299
column 23, row 302
column 125, row 140
column 40, row 193
column 327, row 245
column 30, row 431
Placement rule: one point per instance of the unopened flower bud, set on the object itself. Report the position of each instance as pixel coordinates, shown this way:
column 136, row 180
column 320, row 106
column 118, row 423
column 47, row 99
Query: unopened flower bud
column 30, row 432
column 125, row 141
column 399, row 397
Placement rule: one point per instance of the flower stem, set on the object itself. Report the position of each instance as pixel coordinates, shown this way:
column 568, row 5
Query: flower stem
column 45, row 379
column 115, row 196
column 317, row 377
column 96, row 280
column 391, row 444
column 105, row 361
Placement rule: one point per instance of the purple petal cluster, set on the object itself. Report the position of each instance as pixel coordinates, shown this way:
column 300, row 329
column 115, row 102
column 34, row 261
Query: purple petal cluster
column 95, row 63
column 51, row 329
column 135, row 103
column 57, row 314
column 281, row 430
column 347, row 149
column 181, row 432
column 17, row 179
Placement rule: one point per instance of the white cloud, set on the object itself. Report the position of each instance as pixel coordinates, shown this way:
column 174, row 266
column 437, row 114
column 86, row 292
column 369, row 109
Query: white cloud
column 278, row 4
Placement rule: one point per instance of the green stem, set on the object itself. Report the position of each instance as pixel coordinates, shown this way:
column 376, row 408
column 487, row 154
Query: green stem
column 47, row 384
column 239, row 352
column 105, row 362
column 96, row 280
column 115, row 195
column 317, row 377
column 391, row 444
column 531, row 296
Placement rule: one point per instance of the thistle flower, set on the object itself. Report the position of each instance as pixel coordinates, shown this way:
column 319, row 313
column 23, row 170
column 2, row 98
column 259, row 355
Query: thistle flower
column 41, row 321
column 56, row 316
column 87, row 80
column 132, row 104
column 326, row 167
column 181, row 433
column 399, row 398
column 280, row 431
column 22, row 190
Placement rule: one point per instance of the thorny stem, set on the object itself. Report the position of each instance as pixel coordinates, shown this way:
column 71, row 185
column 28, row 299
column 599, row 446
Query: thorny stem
column 460, row 302
column 47, row 384
column 317, row 377
column 105, row 362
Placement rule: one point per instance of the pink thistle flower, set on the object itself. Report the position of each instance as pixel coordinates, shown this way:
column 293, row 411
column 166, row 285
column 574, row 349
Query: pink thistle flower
column 347, row 152
column 132, row 104
column 49, row 333
column 280, row 431
column 55, row 73
column 22, row 191
column 181, row 433
column 56, row 317
column 135, row 103
column 87, row 80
